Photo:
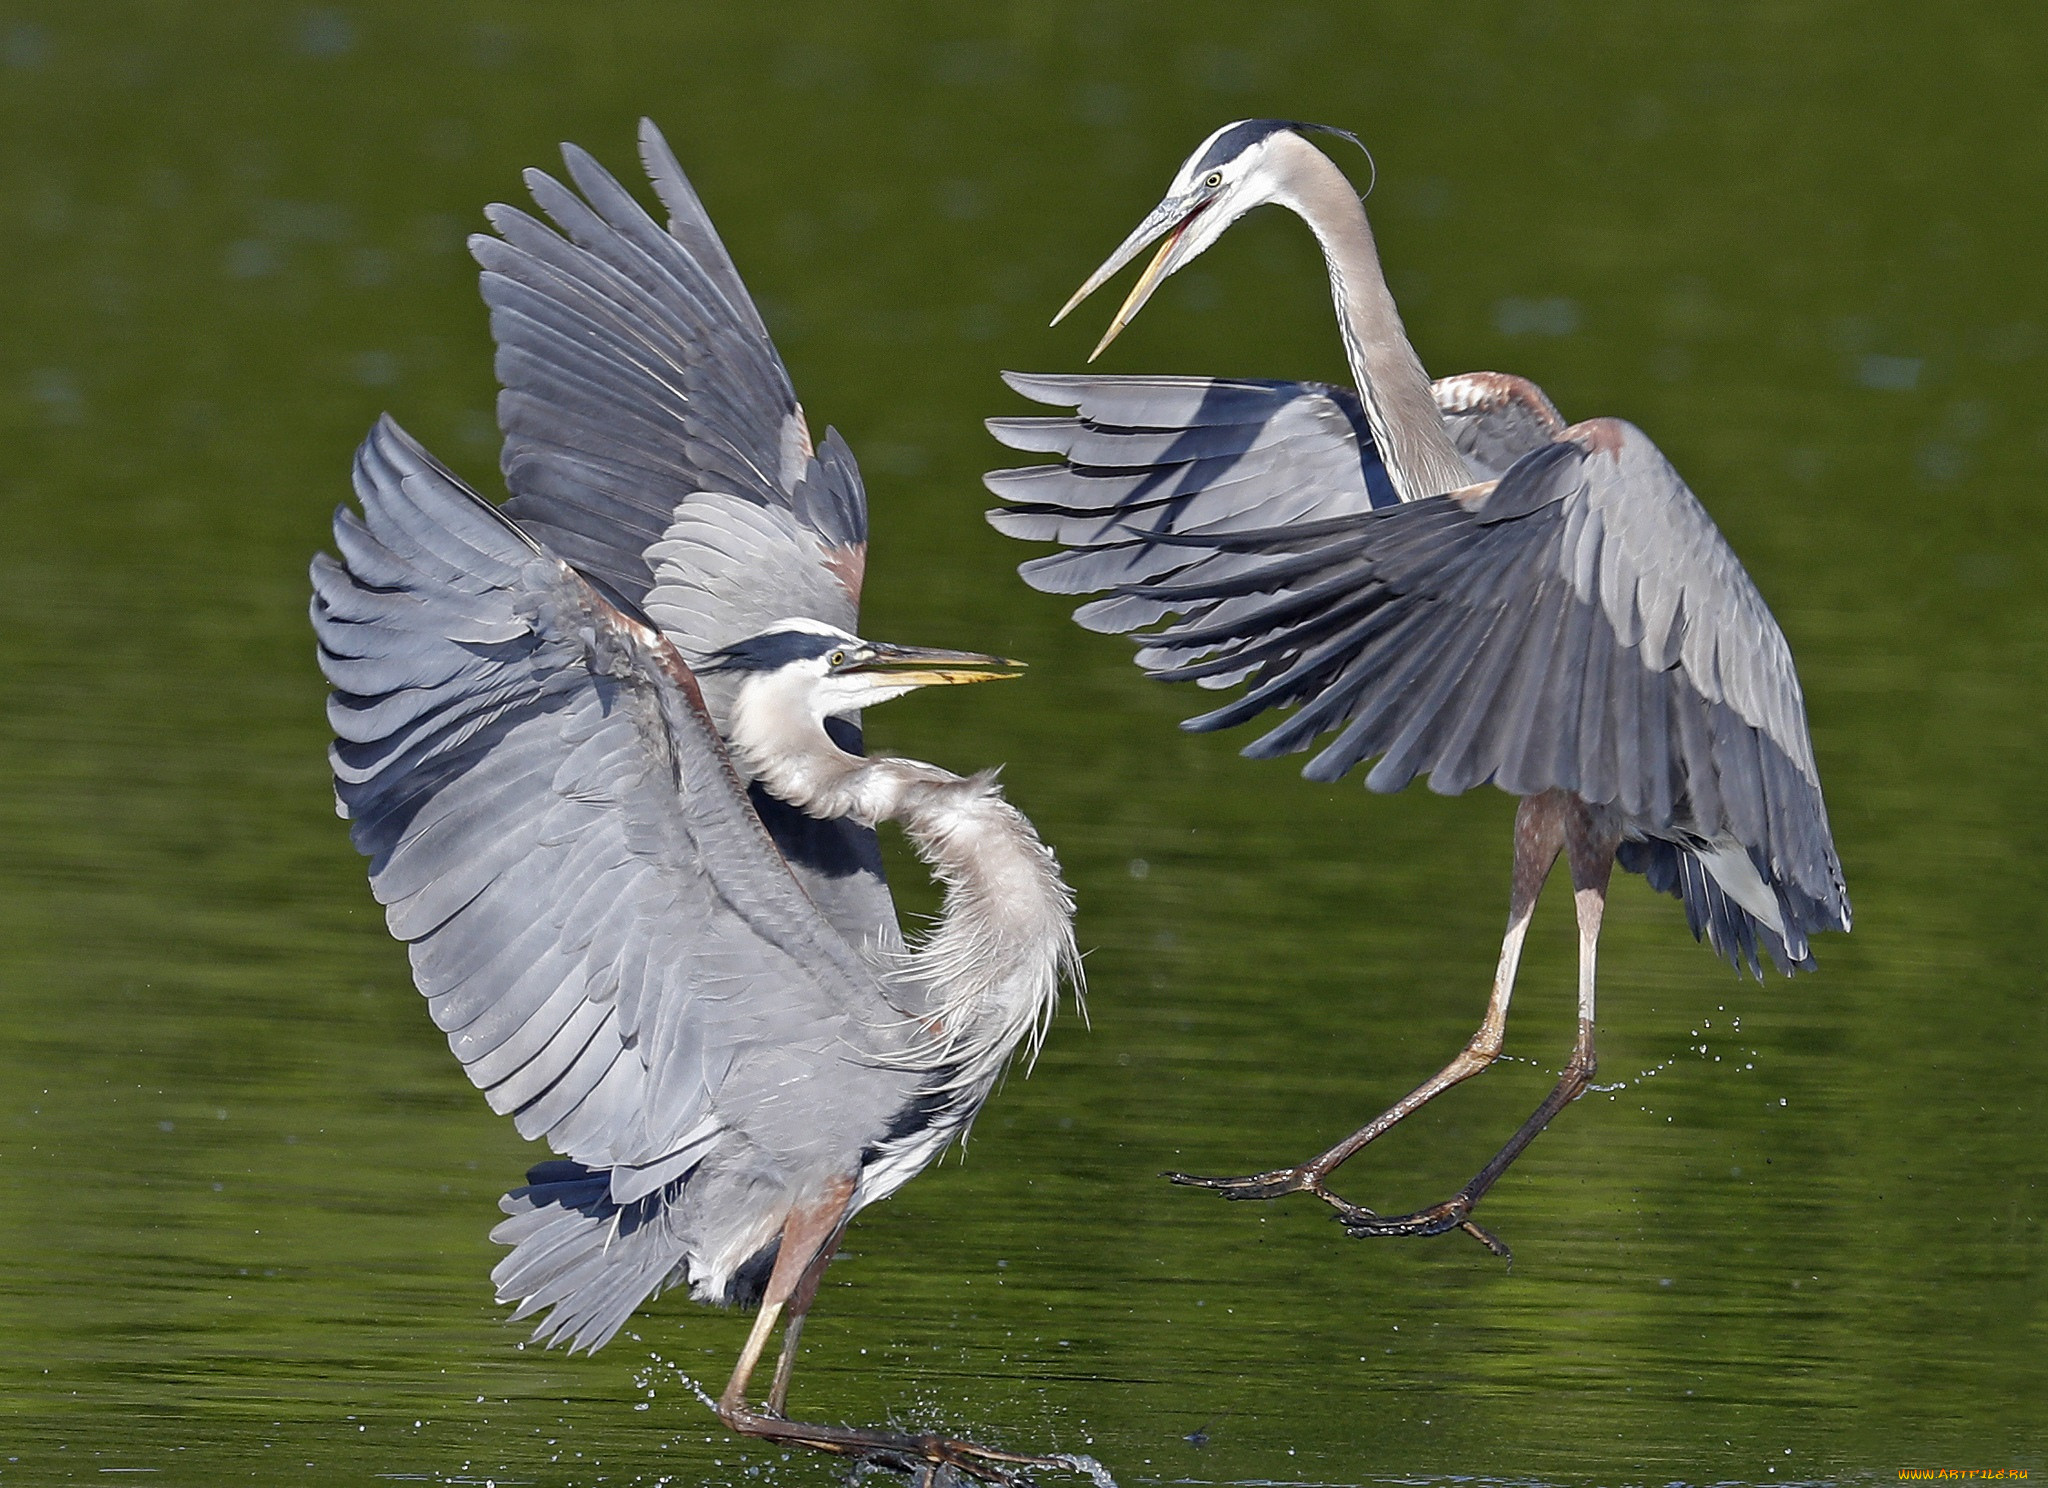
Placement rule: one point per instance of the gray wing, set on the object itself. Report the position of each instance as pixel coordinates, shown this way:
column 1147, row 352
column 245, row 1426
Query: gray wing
column 1156, row 471
column 1582, row 625
column 637, row 377
column 611, row 942
column 653, row 440
column 1495, row 418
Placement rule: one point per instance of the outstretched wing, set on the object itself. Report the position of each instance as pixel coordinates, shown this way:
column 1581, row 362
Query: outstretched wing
column 653, row 440
column 1582, row 625
column 617, row 952
column 638, row 378
column 1159, row 473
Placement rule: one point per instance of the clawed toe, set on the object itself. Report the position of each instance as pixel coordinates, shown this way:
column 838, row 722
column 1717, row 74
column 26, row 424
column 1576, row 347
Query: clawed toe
column 1437, row 1219
column 1274, row 1185
column 930, row 1460
column 1258, row 1186
column 939, row 1461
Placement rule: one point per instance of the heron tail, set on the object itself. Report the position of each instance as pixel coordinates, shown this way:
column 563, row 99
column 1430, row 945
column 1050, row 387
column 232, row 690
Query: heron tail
column 1735, row 933
column 587, row 1259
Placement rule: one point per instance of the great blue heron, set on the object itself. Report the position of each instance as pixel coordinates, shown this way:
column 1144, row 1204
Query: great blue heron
column 601, row 749
column 1453, row 580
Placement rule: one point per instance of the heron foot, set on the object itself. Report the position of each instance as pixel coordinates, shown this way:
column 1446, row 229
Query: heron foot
column 1271, row 1185
column 931, row 1460
column 1308, row 1179
column 1454, row 1213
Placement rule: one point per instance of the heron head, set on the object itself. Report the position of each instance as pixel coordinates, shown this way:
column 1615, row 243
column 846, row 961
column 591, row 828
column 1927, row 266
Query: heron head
column 1230, row 172
column 823, row 672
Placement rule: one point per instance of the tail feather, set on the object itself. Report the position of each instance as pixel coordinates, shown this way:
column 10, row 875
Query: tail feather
column 1734, row 932
column 586, row 1259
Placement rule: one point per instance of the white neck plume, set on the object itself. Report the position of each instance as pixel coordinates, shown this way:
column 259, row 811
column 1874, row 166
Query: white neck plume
column 986, row 979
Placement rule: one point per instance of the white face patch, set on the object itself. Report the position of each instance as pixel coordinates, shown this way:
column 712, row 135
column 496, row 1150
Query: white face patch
column 1244, row 184
column 841, row 697
column 804, row 625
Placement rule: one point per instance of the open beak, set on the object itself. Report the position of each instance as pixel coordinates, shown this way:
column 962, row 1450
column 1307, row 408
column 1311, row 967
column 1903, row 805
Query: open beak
column 1169, row 219
column 924, row 666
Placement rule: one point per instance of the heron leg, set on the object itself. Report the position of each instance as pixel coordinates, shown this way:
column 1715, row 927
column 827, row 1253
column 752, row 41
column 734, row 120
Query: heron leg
column 1539, row 836
column 1590, row 841
column 805, row 1293
column 809, row 1237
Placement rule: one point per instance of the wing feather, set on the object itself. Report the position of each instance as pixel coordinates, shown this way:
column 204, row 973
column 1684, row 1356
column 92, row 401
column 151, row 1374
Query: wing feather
column 597, row 917
column 648, row 420
column 1152, row 465
column 637, row 374
column 1581, row 626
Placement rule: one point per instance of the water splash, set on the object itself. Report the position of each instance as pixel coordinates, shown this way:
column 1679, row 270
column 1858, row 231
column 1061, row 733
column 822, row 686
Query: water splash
column 650, row 1374
column 1081, row 1462
column 659, row 1370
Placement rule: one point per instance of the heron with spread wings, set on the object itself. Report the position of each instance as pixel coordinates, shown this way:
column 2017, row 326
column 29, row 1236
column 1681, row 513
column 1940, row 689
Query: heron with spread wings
column 1449, row 578
column 601, row 747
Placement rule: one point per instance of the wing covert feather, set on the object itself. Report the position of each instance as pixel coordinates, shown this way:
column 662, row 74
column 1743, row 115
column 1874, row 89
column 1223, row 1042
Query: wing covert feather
column 637, row 373
column 653, row 440
column 1580, row 625
column 597, row 917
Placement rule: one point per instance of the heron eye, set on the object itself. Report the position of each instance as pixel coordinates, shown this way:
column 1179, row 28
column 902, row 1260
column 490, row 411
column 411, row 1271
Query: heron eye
column 836, row 659
column 1213, row 179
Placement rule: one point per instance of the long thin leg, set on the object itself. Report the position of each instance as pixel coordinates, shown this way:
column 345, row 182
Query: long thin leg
column 1539, row 835
column 809, row 1237
column 809, row 1230
column 800, row 1308
column 1590, row 842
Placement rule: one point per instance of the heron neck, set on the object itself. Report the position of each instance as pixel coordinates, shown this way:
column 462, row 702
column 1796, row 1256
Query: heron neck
column 1406, row 424
column 987, row 976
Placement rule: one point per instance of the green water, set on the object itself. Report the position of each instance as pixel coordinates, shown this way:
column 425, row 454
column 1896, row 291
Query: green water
column 246, row 1189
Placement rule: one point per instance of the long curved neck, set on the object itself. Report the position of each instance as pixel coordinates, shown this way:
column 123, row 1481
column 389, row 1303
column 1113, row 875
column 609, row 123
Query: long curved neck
column 1419, row 455
column 989, row 971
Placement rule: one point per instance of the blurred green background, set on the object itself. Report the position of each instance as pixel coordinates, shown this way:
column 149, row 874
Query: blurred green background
column 243, row 1231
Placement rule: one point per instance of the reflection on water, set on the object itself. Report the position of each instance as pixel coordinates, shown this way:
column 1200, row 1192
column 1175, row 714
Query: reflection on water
column 249, row 1192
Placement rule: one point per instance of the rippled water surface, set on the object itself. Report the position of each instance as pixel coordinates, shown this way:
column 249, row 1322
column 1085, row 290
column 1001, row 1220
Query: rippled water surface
column 243, row 1233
